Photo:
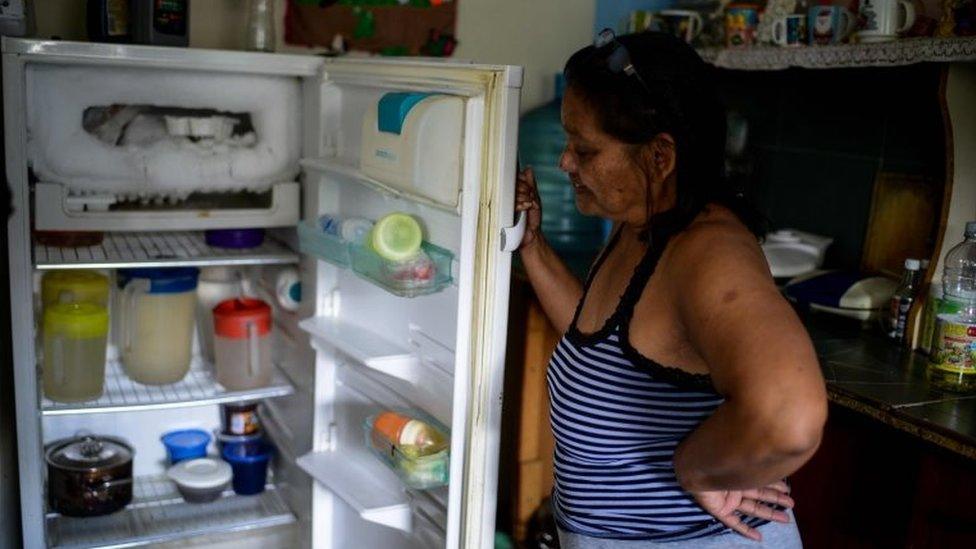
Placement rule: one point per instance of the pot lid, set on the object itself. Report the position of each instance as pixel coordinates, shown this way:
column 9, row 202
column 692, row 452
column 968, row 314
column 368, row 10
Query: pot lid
column 200, row 473
column 88, row 452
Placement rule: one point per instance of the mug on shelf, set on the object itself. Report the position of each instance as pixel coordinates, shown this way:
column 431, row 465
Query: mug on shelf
column 829, row 24
column 790, row 30
column 884, row 20
column 685, row 24
column 741, row 23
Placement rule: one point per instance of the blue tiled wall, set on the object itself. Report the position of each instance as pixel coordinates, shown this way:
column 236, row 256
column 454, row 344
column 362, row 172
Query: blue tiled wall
column 819, row 138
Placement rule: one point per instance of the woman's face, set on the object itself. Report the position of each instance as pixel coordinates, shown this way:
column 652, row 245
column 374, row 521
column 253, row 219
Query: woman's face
column 605, row 173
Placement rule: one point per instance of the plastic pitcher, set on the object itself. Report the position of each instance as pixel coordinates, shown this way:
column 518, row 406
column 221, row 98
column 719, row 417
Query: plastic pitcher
column 75, row 335
column 242, row 343
column 216, row 284
column 156, row 329
column 72, row 286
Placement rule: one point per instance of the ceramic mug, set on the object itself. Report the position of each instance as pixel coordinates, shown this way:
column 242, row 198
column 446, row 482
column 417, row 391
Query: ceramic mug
column 741, row 22
column 883, row 20
column 685, row 24
column 829, row 24
column 641, row 20
column 790, row 30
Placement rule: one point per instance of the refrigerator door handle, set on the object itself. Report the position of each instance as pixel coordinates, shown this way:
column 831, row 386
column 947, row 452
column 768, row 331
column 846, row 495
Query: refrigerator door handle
column 512, row 236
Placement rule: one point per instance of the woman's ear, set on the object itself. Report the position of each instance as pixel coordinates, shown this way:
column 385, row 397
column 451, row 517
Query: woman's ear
column 662, row 156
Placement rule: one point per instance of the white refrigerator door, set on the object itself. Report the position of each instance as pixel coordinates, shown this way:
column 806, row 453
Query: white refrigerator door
column 441, row 353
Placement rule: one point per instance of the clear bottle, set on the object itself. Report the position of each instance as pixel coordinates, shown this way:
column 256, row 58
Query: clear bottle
column 953, row 358
column 901, row 301
column 260, row 26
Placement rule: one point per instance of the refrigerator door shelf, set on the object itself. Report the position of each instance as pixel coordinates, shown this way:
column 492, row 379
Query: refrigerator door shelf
column 197, row 388
column 421, row 381
column 165, row 249
column 346, row 170
column 55, row 210
column 365, row 483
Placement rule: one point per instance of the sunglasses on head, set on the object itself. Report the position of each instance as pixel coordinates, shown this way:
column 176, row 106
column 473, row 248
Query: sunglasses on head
column 617, row 56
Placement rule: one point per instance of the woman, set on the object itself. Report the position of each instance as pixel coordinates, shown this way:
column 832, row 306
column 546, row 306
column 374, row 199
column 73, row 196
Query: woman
column 685, row 388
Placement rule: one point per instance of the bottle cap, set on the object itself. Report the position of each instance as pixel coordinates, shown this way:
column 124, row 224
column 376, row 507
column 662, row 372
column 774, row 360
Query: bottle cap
column 913, row 264
column 971, row 229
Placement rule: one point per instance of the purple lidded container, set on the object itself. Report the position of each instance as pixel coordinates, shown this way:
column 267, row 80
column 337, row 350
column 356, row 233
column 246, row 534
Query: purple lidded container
column 234, row 238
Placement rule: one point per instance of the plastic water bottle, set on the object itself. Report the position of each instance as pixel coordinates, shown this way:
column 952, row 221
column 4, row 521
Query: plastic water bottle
column 901, row 301
column 954, row 345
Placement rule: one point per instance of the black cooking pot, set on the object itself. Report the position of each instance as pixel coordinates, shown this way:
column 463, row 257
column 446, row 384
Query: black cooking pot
column 89, row 475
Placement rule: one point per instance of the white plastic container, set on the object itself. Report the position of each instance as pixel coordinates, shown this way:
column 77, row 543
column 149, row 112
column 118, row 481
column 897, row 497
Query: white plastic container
column 412, row 142
column 242, row 343
column 156, row 335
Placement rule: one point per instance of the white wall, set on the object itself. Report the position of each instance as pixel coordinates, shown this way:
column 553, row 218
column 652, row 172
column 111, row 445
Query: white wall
column 537, row 34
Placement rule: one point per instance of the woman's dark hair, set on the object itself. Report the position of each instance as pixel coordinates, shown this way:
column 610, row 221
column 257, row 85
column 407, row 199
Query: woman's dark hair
column 673, row 92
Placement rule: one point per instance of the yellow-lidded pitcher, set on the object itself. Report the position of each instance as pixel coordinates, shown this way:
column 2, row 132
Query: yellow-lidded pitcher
column 75, row 335
column 71, row 286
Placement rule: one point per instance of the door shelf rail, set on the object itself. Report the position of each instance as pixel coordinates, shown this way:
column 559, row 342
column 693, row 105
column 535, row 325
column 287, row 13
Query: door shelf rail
column 198, row 388
column 362, row 481
column 162, row 249
column 158, row 514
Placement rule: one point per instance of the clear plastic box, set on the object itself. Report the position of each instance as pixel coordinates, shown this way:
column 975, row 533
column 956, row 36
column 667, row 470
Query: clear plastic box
column 427, row 275
column 420, row 472
column 314, row 241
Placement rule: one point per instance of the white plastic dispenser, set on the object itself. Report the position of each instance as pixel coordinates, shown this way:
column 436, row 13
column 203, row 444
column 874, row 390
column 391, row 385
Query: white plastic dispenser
column 412, row 142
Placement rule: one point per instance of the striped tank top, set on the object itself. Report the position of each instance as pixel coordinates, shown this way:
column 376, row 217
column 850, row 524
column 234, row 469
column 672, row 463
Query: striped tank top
column 617, row 418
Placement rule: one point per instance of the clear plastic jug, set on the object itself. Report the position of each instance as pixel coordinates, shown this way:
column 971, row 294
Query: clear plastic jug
column 75, row 335
column 216, row 284
column 242, row 343
column 156, row 329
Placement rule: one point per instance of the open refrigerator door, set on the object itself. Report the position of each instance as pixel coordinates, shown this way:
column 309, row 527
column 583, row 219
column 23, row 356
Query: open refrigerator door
column 404, row 346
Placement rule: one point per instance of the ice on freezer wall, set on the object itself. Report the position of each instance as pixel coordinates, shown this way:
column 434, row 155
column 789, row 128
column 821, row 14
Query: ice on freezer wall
column 155, row 160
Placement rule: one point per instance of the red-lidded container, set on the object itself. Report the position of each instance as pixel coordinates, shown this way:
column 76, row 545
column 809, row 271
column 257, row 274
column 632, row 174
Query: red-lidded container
column 242, row 343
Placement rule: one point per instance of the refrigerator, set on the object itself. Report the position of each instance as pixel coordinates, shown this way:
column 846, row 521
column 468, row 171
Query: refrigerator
column 354, row 345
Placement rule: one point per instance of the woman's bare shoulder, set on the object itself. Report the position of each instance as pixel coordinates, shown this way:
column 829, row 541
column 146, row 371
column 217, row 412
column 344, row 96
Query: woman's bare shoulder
column 717, row 239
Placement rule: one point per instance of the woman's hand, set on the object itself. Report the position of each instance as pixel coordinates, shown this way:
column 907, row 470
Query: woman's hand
column 730, row 506
column 527, row 200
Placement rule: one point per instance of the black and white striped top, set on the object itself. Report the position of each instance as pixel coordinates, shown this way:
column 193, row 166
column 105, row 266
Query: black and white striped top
column 617, row 418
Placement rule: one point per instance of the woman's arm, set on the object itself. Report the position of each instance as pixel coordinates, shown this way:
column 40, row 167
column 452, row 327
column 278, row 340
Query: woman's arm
column 557, row 288
column 760, row 359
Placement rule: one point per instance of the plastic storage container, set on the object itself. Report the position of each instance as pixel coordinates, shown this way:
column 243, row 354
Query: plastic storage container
column 73, row 286
column 242, row 343
column 413, row 444
column 250, row 468
column 234, row 238
column 74, row 340
column 185, row 444
column 215, row 284
column 324, row 245
column 429, row 274
column 246, row 444
column 156, row 329
column 201, row 480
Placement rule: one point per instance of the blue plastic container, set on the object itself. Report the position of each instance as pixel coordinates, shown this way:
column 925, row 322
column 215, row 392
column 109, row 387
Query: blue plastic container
column 250, row 468
column 186, row 444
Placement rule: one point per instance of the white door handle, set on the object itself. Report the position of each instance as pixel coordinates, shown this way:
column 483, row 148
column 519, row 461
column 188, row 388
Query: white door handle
column 512, row 236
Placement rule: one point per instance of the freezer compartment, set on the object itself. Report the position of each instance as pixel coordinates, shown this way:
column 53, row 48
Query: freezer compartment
column 158, row 514
column 57, row 208
column 140, row 131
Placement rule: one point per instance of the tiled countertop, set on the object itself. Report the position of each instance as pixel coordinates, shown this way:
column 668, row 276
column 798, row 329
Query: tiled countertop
column 867, row 373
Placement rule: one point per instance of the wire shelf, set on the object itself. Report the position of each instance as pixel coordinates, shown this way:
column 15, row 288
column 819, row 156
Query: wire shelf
column 161, row 249
column 196, row 389
column 158, row 514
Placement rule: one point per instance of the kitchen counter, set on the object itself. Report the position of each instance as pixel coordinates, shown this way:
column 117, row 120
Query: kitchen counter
column 866, row 373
